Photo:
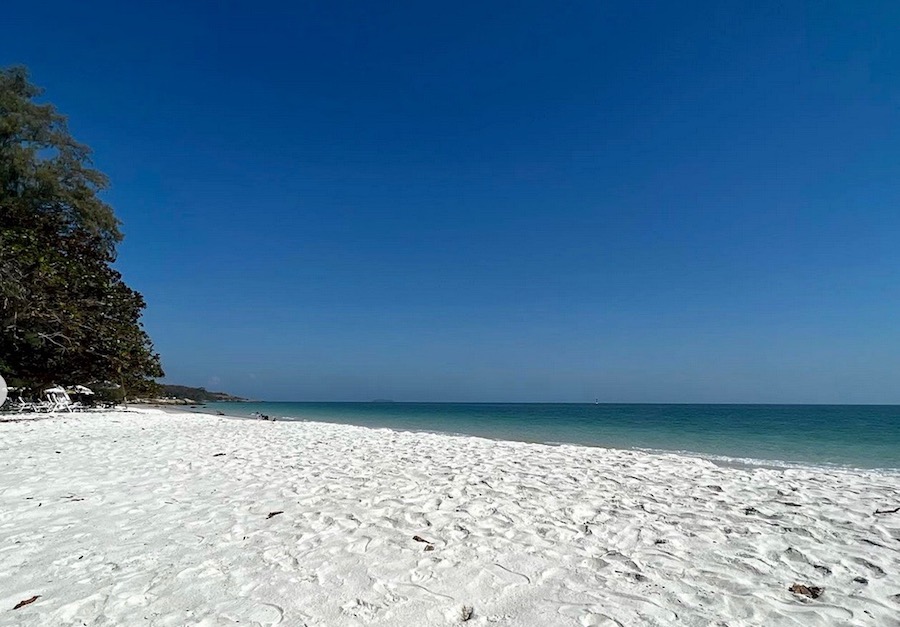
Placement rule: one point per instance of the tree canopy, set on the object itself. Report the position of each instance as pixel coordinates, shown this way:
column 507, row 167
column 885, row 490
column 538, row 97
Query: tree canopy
column 66, row 316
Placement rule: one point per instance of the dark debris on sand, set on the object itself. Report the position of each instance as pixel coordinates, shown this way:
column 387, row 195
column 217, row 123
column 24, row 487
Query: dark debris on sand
column 813, row 592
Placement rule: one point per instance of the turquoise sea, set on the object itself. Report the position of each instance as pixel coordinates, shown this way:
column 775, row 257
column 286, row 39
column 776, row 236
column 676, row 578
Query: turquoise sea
column 860, row 436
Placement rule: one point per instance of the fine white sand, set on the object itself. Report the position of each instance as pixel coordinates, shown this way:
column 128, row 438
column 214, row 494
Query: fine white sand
column 163, row 519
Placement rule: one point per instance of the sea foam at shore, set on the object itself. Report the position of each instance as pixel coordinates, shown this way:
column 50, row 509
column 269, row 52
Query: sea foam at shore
column 148, row 518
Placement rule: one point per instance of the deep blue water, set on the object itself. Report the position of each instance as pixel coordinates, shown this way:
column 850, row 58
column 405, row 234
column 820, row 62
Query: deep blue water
column 863, row 436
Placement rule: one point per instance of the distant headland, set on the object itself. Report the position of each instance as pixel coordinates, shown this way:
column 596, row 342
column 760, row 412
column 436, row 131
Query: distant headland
column 184, row 395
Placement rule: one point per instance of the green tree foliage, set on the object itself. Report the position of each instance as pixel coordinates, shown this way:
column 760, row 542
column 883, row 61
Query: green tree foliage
column 65, row 313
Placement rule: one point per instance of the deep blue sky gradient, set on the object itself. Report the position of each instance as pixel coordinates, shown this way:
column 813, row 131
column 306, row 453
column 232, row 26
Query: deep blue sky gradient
column 657, row 202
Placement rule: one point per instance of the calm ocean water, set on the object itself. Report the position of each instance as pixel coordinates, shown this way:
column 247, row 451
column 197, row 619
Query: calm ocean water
column 863, row 436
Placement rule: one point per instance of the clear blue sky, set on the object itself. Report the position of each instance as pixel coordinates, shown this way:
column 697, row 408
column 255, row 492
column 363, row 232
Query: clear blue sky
column 661, row 202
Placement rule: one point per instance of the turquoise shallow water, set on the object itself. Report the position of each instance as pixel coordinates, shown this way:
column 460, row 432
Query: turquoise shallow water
column 861, row 436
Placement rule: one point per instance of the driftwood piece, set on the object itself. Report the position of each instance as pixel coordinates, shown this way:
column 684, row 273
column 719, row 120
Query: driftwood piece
column 27, row 601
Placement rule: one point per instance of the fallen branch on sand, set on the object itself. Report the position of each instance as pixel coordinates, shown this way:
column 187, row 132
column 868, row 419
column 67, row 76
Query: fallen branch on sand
column 27, row 601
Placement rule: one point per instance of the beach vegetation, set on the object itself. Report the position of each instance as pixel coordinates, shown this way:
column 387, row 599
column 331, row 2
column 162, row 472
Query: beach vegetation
column 66, row 314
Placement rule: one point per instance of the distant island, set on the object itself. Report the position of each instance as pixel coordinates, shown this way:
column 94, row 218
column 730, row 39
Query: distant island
column 184, row 395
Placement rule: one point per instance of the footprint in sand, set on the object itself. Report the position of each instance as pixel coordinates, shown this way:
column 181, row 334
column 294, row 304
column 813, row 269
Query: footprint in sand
column 598, row 620
column 359, row 546
column 358, row 608
column 250, row 612
column 588, row 618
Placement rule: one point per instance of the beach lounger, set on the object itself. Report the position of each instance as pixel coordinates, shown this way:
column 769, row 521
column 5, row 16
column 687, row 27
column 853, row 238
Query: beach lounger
column 21, row 406
column 60, row 401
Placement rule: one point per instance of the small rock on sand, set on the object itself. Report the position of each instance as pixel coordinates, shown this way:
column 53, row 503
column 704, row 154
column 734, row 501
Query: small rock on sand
column 813, row 592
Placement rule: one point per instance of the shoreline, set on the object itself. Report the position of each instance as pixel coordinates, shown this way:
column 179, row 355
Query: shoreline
column 169, row 518
column 725, row 461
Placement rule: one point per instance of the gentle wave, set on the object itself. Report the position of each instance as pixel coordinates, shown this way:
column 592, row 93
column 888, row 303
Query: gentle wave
column 774, row 464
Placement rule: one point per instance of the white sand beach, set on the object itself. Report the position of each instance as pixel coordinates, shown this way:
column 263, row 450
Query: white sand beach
column 152, row 518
